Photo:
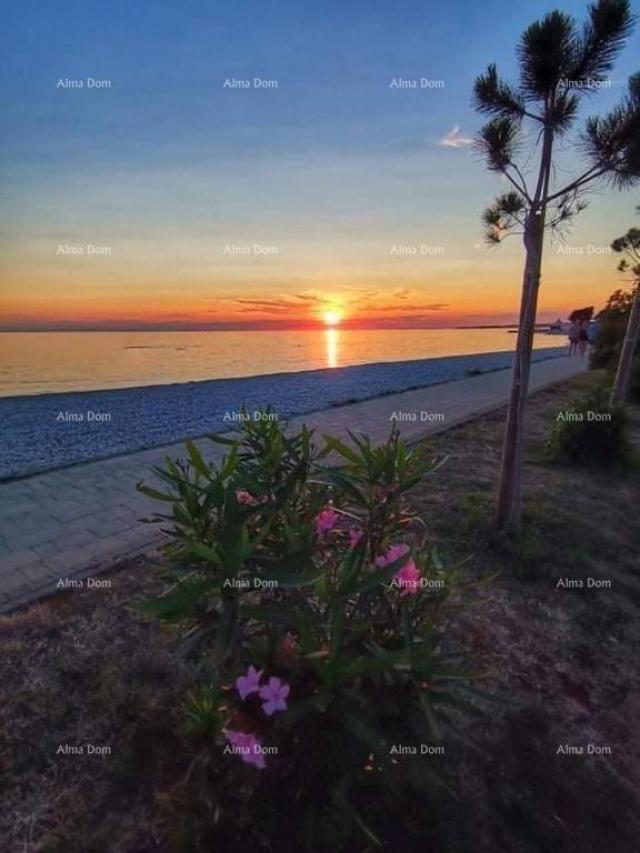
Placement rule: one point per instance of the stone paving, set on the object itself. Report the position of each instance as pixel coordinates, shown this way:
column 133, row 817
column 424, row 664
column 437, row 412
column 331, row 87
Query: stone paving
column 75, row 522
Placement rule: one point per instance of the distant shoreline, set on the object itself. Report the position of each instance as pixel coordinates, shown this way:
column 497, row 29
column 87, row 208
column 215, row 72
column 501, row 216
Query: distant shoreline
column 345, row 327
column 539, row 327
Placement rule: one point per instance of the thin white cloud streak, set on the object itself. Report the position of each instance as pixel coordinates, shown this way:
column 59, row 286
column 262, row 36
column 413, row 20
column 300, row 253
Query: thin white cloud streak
column 454, row 140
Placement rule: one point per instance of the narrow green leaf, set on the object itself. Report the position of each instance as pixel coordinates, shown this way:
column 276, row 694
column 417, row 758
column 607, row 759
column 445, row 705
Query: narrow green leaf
column 333, row 444
column 197, row 459
column 207, row 552
column 178, row 602
column 154, row 493
column 220, row 439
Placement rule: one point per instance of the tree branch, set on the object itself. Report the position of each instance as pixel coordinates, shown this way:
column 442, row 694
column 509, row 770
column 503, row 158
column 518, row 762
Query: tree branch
column 521, row 189
column 524, row 183
column 593, row 172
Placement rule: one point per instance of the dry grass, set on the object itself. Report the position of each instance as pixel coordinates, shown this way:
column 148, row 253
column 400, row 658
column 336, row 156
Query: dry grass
column 81, row 668
column 569, row 657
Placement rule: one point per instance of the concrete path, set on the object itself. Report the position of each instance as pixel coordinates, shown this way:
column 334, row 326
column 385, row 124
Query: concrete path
column 78, row 521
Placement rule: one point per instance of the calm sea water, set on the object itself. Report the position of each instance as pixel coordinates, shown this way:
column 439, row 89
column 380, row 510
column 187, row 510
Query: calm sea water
column 42, row 362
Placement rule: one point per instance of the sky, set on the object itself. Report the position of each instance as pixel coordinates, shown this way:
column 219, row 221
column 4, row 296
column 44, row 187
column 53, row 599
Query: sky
column 168, row 197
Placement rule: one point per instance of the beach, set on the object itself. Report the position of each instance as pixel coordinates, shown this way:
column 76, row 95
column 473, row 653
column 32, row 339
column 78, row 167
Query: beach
column 48, row 431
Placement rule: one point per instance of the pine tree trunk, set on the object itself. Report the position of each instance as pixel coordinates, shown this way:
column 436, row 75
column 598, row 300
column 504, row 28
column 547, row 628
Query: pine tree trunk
column 509, row 501
column 623, row 373
column 508, row 508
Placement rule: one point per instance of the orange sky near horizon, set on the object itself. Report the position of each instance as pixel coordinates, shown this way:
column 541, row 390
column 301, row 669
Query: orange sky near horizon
column 82, row 297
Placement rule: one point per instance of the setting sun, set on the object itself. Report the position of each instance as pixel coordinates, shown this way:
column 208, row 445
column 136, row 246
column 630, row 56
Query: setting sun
column 332, row 318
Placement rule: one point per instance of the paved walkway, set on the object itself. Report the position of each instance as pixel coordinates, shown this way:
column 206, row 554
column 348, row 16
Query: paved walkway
column 77, row 521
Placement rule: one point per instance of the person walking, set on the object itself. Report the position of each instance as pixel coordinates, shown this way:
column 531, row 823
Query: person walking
column 593, row 331
column 583, row 337
column 574, row 337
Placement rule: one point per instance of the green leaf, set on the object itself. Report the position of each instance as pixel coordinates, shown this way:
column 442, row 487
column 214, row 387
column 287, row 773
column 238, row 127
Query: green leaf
column 197, row 459
column 297, row 581
column 230, row 463
column 207, row 552
column 381, row 576
column 178, row 602
column 382, row 662
column 235, row 547
column 154, row 493
column 220, row 439
column 350, row 570
column 335, row 445
column 344, row 482
column 302, row 618
column 363, row 731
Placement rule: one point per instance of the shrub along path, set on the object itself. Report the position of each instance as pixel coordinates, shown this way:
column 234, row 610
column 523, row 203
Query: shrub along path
column 78, row 521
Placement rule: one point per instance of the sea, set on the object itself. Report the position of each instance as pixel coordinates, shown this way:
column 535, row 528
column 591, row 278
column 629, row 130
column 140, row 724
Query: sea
column 54, row 362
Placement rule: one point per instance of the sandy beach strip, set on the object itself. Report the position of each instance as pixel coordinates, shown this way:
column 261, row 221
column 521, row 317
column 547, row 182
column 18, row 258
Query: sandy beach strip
column 48, row 431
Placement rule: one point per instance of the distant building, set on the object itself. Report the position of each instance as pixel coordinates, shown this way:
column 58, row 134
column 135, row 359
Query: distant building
column 557, row 328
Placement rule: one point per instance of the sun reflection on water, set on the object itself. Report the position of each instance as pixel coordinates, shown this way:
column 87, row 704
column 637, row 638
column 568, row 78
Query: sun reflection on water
column 332, row 340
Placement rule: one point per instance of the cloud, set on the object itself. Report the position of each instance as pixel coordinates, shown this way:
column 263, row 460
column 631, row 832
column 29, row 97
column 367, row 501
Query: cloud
column 285, row 301
column 411, row 309
column 400, row 302
column 308, row 296
column 403, row 293
column 454, row 140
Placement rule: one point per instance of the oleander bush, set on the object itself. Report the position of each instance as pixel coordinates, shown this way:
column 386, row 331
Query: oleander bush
column 316, row 608
column 590, row 432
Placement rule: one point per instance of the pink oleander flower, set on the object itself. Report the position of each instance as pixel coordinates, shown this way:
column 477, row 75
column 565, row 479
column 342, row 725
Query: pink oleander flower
column 274, row 694
column 249, row 683
column 408, row 579
column 393, row 553
column 355, row 537
column 248, row 747
column 326, row 520
column 245, row 497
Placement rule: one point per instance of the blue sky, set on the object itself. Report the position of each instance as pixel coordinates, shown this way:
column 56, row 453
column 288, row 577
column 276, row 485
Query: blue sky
column 166, row 166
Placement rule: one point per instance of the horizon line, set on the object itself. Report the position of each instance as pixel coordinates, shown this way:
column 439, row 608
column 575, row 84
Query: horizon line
column 243, row 328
